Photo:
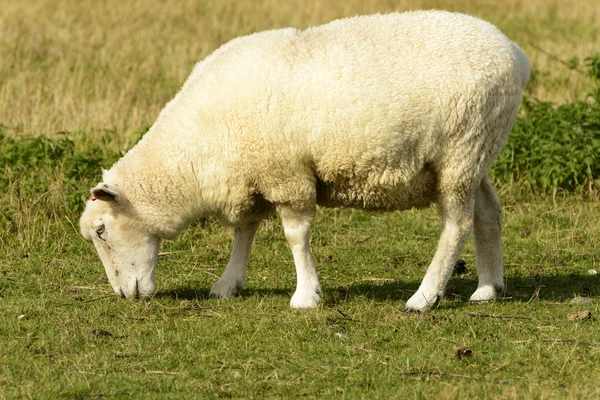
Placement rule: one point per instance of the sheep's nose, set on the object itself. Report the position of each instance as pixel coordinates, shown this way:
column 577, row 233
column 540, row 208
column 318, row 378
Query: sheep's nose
column 136, row 293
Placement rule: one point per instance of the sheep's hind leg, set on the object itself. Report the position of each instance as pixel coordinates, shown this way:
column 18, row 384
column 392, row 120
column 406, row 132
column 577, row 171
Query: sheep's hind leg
column 308, row 288
column 487, row 236
column 234, row 277
column 457, row 220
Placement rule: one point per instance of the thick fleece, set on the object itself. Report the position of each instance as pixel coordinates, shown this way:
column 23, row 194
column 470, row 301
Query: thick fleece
column 381, row 112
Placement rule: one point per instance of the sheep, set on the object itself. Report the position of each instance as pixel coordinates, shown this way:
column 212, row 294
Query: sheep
column 381, row 112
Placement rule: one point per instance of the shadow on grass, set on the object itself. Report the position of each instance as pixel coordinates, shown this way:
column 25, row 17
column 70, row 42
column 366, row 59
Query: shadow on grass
column 202, row 293
column 546, row 288
column 558, row 288
column 184, row 293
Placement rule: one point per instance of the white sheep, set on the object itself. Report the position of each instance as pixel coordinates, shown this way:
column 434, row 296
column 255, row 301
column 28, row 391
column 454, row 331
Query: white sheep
column 381, row 112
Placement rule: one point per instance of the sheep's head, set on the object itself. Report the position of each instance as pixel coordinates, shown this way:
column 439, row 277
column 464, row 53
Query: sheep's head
column 129, row 253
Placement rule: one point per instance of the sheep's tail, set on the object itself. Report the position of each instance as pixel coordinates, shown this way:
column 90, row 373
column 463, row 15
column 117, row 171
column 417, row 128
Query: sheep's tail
column 523, row 67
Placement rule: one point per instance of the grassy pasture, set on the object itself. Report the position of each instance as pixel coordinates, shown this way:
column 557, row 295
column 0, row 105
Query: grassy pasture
column 103, row 70
column 85, row 65
column 65, row 334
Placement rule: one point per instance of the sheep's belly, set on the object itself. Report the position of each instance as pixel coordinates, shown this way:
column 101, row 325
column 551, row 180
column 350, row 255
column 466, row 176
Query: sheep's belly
column 377, row 193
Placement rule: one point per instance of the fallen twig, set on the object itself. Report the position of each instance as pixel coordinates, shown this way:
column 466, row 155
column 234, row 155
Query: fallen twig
column 555, row 58
column 168, row 253
column 162, row 372
column 89, row 301
column 576, row 341
column 535, row 295
column 379, row 279
column 346, row 316
column 363, row 239
column 80, row 287
column 481, row 315
column 447, row 375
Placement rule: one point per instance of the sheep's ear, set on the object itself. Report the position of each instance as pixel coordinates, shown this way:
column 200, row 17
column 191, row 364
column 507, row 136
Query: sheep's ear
column 108, row 192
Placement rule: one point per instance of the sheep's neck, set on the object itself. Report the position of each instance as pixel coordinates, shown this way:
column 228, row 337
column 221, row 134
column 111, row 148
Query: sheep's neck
column 167, row 188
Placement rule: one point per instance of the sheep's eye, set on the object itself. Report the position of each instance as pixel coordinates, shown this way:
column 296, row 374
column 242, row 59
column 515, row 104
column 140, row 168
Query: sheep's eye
column 100, row 230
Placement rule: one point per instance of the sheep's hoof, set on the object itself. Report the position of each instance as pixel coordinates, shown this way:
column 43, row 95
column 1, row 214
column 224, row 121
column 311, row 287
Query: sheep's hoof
column 225, row 289
column 305, row 299
column 420, row 302
column 486, row 293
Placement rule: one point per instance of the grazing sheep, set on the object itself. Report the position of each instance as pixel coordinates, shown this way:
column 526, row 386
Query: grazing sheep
column 382, row 112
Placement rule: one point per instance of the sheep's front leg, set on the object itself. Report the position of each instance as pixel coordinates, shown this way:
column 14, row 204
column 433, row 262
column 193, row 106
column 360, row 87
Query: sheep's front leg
column 308, row 288
column 457, row 220
column 234, row 277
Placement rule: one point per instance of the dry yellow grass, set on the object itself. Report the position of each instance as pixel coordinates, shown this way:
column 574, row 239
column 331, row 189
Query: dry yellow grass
column 94, row 65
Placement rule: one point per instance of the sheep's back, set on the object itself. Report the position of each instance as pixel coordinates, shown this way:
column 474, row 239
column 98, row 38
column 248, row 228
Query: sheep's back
column 373, row 104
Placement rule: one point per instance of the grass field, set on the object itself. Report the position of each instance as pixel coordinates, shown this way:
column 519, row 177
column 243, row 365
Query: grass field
column 65, row 334
column 72, row 65
column 101, row 71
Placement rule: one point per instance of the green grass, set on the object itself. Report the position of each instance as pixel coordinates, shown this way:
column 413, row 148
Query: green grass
column 104, row 71
column 61, row 338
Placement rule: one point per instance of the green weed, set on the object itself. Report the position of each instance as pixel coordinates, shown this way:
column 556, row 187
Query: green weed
column 555, row 147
